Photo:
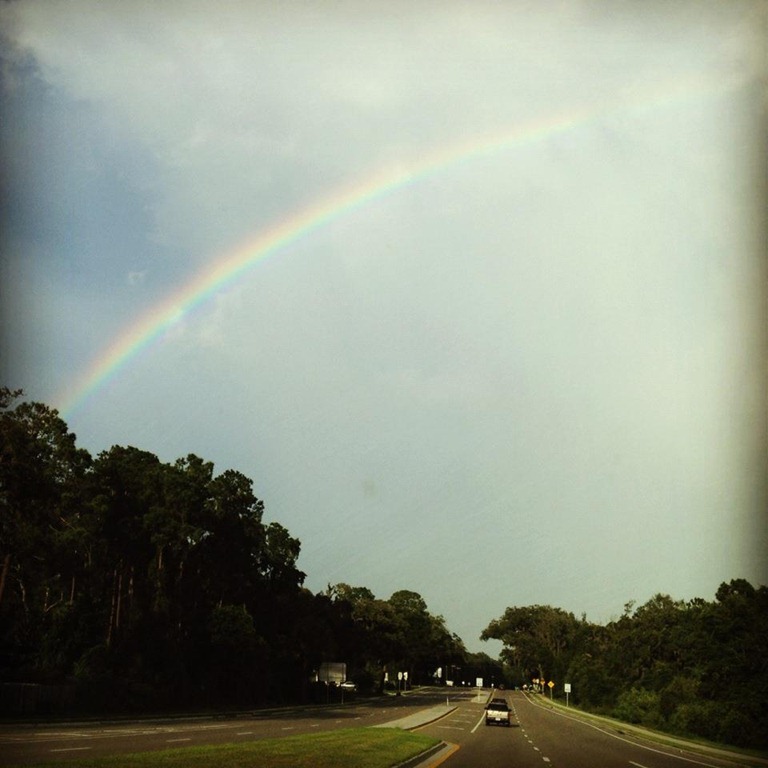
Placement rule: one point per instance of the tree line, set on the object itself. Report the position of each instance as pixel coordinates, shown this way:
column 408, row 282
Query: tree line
column 695, row 668
column 151, row 585
column 145, row 585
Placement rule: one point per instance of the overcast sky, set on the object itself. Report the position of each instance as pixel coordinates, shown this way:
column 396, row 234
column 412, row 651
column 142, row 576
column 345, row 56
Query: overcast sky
column 534, row 374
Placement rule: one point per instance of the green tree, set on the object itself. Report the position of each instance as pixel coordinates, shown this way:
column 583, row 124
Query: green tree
column 160, row 583
column 540, row 638
column 427, row 643
column 41, row 471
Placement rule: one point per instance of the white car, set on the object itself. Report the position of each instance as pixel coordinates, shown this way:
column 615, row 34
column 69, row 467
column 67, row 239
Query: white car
column 348, row 685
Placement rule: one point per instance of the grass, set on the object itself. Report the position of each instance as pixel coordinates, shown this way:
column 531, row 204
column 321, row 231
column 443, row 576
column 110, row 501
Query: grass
column 351, row 748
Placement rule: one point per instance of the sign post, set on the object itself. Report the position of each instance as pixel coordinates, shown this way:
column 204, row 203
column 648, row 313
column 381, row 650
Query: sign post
column 567, row 693
column 551, row 686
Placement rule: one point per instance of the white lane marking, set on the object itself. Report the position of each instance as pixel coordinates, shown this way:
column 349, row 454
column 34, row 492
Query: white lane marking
column 451, row 728
column 70, row 749
column 639, row 765
column 170, row 741
column 244, row 733
column 626, row 741
column 477, row 724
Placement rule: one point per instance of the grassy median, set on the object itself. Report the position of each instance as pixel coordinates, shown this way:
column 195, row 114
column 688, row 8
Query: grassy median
column 351, row 748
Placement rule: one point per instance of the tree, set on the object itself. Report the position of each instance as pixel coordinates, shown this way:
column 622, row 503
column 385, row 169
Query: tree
column 427, row 643
column 541, row 638
column 149, row 582
column 41, row 471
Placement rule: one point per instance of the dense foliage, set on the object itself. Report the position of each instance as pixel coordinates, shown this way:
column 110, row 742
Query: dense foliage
column 137, row 584
column 689, row 667
column 152, row 585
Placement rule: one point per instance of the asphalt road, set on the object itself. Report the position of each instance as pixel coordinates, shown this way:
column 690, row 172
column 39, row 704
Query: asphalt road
column 20, row 744
column 540, row 737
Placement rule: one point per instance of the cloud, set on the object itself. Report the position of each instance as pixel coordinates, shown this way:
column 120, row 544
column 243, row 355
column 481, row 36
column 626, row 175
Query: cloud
column 137, row 278
column 513, row 357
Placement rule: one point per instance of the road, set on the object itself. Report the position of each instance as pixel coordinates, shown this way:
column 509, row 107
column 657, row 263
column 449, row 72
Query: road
column 26, row 744
column 541, row 737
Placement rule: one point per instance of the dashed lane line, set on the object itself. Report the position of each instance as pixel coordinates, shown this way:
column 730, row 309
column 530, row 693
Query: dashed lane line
column 638, row 744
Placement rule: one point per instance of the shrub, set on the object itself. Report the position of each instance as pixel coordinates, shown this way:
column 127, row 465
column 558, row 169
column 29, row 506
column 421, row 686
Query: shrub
column 639, row 706
column 698, row 718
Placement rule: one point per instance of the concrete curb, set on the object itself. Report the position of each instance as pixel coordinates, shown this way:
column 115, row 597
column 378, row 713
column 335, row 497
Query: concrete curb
column 427, row 755
column 418, row 719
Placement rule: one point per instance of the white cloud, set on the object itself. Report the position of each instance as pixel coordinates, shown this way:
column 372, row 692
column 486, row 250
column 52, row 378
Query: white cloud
column 534, row 335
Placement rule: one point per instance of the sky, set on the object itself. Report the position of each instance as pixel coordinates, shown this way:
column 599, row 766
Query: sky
column 473, row 291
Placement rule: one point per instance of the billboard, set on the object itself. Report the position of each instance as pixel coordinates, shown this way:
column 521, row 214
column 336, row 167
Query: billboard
column 332, row 672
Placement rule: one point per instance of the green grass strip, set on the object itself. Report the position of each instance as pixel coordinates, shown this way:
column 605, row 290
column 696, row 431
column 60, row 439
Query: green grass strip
column 350, row 748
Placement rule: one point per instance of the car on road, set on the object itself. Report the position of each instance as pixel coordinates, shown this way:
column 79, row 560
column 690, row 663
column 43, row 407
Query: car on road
column 348, row 686
column 497, row 712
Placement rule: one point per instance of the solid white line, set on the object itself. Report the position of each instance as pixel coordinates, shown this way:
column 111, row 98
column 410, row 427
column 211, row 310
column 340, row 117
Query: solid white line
column 244, row 733
column 477, row 725
column 626, row 741
column 70, row 749
column 169, row 741
column 639, row 765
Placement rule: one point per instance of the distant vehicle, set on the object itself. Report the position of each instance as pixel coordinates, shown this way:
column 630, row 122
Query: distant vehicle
column 348, row 686
column 497, row 712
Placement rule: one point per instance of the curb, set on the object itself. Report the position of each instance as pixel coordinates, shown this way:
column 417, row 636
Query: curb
column 428, row 754
column 419, row 719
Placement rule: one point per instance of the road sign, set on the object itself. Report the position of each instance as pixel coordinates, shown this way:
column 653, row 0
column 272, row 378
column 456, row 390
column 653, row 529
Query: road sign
column 551, row 684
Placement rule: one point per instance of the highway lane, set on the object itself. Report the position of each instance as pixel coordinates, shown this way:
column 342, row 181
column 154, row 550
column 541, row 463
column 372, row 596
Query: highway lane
column 543, row 737
column 26, row 744
column 539, row 736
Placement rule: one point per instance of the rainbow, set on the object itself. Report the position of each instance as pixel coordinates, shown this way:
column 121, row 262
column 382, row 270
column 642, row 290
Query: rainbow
column 227, row 269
